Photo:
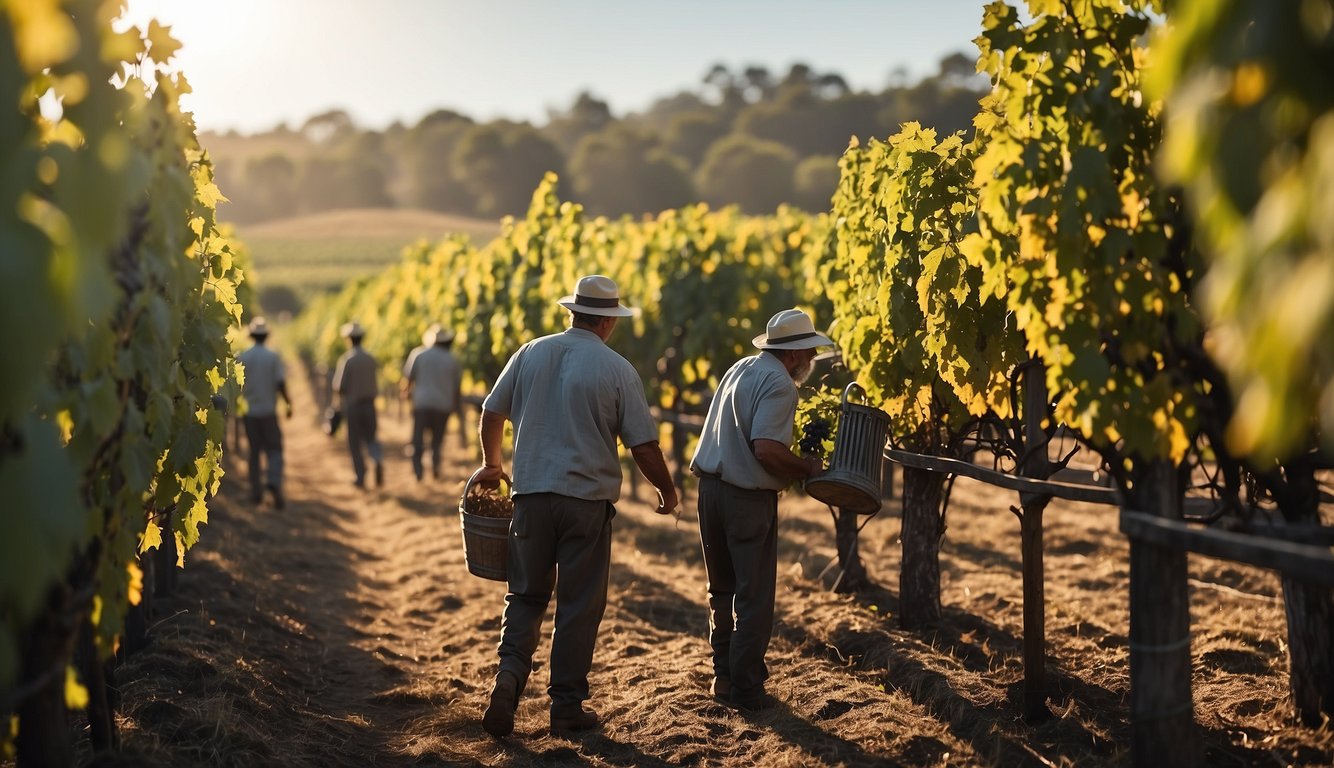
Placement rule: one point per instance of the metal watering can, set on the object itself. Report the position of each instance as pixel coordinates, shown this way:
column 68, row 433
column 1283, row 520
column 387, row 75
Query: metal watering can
column 852, row 481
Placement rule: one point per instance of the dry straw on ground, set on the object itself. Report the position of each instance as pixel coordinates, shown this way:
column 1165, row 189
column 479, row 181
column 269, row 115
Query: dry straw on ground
column 346, row 631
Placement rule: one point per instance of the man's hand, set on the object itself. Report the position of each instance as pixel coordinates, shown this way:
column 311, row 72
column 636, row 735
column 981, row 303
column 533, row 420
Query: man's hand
column 289, row 409
column 488, row 475
column 667, row 501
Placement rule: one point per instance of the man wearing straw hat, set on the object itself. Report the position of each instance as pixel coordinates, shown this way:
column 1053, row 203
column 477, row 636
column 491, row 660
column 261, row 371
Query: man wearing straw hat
column 265, row 382
column 354, row 381
column 743, row 460
column 432, row 378
column 570, row 397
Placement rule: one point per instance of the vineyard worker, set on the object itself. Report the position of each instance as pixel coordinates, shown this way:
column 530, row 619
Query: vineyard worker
column 433, row 379
column 265, row 382
column 354, row 381
column 743, row 460
column 569, row 397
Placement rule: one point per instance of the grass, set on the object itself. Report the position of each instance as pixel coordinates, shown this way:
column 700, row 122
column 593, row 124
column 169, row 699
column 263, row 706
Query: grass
column 299, row 258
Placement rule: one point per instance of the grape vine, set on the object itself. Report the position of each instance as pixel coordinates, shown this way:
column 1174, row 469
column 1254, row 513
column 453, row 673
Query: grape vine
column 126, row 290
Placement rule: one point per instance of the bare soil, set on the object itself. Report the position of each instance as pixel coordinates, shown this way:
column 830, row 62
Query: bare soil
column 345, row 630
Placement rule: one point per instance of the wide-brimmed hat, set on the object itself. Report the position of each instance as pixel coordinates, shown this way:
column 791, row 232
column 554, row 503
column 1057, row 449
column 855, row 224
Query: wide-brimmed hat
column 596, row 295
column 352, row 330
column 258, row 327
column 791, row 329
column 437, row 334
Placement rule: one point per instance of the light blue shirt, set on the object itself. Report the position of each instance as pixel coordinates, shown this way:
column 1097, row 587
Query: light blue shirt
column 756, row 399
column 263, row 374
column 435, row 375
column 354, row 378
column 570, row 397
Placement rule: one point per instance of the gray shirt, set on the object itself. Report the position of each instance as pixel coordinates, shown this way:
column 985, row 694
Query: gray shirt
column 354, row 378
column 756, row 399
column 264, row 373
column 570, row 396
column 435, row 377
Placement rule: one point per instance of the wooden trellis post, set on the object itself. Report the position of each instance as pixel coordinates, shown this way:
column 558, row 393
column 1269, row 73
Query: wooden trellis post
column 1162, row 714
column 1030, row 527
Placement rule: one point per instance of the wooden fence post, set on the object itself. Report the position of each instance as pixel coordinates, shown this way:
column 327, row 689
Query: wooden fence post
column 1162, row 715
column 1031, row 548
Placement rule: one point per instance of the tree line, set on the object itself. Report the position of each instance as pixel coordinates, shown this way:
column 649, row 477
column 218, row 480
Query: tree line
column 747, row 137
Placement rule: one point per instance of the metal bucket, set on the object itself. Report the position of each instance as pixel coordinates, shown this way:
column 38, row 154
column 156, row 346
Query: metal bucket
column 852, row 481
column 485, row 540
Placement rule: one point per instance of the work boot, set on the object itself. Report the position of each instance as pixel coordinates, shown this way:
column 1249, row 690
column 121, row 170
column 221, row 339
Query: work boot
column 721, row 689
column 379, row 474
column 277, row 496
column 499, row 717
column 753, row 701
column 573, row 717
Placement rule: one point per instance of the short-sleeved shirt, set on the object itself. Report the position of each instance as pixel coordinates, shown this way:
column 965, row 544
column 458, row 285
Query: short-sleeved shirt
column 354, row 378
column 435, row 375
column 570, row 396
column 264, row 374
column 756, row 399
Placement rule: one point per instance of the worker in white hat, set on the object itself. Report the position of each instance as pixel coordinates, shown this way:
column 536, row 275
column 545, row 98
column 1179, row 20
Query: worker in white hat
column 265, row 383
column 355, row 382
column 432, row 379
column 743, row 460
column 570, row 398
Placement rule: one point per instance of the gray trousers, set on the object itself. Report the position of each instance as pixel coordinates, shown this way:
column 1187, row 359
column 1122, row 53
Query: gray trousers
column 427, row 420
column 563, row 543
column 266, row 443
column 361, row 426
column 738, row 529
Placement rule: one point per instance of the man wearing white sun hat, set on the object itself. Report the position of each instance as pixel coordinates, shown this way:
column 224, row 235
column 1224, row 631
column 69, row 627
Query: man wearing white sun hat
column 355, row 382
column 743, row 460
column 569, row 397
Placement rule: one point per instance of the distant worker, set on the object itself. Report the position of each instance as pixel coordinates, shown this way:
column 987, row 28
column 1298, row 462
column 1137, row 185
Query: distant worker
column 265, row 382
column 354, row 381
column 570, row 399
column 432, row 378
column 743, row 460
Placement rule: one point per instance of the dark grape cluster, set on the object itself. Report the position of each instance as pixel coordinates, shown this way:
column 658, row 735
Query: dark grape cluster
column 813, row 435
column 488, row 503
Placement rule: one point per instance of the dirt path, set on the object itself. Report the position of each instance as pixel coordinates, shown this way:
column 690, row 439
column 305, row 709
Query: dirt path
column 346, row 631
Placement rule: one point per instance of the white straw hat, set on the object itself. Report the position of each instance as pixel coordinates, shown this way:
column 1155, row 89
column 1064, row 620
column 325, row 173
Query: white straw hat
column 596, row 295
column 352, row 330
column 258, row 327
column 437, row 334
column 791, row 329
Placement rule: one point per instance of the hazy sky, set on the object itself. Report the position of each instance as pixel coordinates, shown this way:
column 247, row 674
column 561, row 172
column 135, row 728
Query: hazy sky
column 256, row 63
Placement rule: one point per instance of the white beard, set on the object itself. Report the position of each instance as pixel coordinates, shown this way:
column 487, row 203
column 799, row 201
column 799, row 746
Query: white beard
column 804, row 372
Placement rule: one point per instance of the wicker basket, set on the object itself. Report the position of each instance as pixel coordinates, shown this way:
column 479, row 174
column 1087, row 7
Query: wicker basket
column 486, row 537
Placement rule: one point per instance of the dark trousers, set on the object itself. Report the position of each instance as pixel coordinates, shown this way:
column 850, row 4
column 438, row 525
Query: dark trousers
column 361, row 425
column 553, row 534
column 266, row 447
column 427, row 420
column 738, row 529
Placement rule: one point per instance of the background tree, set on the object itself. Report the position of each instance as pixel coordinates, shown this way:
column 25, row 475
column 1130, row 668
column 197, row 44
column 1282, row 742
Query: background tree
column 588, row 115
column 328, row 127
column 501, row 163
column 429, row 150
column 814, row 182
column 270, row 188
column 426, row 165
column 663, row 111
column 690, row 134
column 329, row 182
column 621, row 170
column 752, row 173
